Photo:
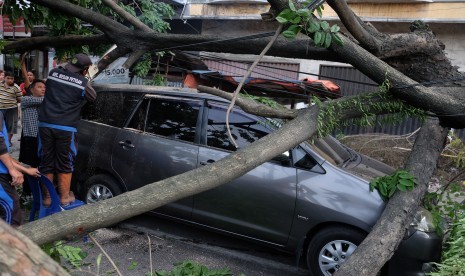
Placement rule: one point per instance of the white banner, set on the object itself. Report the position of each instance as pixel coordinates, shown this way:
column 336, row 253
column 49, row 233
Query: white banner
column 115, row 73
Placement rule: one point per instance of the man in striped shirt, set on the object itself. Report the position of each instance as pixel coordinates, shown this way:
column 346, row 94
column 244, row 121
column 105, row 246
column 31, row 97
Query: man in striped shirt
column 10, row 97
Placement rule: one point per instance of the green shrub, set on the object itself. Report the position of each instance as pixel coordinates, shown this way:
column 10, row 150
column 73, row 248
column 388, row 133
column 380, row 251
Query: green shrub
column 453, row 256
column 190, row 268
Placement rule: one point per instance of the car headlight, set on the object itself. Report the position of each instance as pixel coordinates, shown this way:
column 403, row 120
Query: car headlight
column 423, row 221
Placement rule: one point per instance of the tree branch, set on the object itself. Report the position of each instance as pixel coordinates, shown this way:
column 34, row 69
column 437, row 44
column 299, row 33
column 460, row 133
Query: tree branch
column 349, row 19
column 93, row 216
column 20, row 256
column 133, row 21
column 40, row 42
column 415, row 95
column 245, row 77
column 106, row 60
column 127, row 16
column 252, row 106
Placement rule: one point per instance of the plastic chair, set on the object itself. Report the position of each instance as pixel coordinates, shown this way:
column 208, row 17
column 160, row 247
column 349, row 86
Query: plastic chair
column 6, row 202
column 37, row 206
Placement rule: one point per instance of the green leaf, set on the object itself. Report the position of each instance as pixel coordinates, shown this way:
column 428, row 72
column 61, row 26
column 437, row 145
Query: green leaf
column 285, row 16
column 323, row 37
column 291, row 6
column 391, row 192
column 317, row 38
column 61, row 252
column 327, row 40
column 292, row 31
column 382, row 190
column 133, row 265
column 406, row 182
column 305, row 13
column 335, row 28
column 405, row 175
column 401, row 187
column 296, row 20
column 319, row 10
column 337, row 39
column 324, row 26
column 313, row 27
column 281, row 20
column 372, row 186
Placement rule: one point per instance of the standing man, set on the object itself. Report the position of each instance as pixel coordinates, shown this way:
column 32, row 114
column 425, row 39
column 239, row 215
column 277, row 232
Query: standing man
column 28, row 148
column 67, row 92
column 10, row 97
column 30, row 106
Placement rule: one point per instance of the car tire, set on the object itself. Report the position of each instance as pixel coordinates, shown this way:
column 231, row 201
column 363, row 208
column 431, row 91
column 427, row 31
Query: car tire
column 100, row 187
column 321, row 256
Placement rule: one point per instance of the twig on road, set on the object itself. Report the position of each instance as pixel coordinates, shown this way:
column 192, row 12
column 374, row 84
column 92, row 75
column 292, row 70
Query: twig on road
column 106, row 255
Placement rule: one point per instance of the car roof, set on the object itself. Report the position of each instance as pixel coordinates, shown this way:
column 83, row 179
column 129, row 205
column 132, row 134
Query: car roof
column 168, row 91
column 156, row 90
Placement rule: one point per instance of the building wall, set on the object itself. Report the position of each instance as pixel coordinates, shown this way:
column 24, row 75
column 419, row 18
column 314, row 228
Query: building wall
column 446, row 19
column 236, row 27
column 451, row 12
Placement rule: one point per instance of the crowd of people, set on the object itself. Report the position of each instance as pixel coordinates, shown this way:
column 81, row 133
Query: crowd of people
column 49, row 111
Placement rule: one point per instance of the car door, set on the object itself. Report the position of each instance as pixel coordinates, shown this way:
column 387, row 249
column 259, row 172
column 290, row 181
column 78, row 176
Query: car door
column 159, row 141
column 259, row 204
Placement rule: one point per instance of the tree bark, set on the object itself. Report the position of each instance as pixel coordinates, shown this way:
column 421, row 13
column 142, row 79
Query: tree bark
column 20, row 256
column 386, row 235
column 42, row 42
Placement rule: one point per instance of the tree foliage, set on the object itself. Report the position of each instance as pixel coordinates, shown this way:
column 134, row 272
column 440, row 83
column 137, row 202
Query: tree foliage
column 58, row 24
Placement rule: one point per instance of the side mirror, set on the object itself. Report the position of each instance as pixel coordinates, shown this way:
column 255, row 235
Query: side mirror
column 284, row 159
column 286, row 162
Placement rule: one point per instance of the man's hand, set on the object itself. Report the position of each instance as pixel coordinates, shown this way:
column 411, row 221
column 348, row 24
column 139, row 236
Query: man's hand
column 32, row 172
column 16, row 176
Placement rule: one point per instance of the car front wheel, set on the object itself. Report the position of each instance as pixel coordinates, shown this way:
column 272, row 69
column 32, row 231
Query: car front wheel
column 100, row 187
column 330, row 247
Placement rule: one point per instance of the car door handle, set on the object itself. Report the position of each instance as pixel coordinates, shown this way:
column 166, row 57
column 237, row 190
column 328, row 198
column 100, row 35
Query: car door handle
column 126, row 144
column 209, row 161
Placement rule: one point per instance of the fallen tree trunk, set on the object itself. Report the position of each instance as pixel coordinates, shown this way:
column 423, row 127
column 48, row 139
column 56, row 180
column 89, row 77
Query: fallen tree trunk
column 386, row 235
column 94, row 216
column 20, row 256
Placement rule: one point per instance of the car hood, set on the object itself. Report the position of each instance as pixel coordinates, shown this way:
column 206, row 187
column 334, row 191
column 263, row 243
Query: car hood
column 349, row 160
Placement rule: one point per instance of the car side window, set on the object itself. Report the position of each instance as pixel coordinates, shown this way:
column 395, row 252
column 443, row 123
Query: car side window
column 138, row 119
column 245, row 129
column 173, row 118
column 303, row 160
column 111, row 108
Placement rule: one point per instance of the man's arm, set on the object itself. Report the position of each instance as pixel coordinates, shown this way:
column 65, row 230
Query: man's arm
column 24, row 168
column 28, row 101
column 19, row 93
column 91, row 95
column 17, row 177
column 24, row 71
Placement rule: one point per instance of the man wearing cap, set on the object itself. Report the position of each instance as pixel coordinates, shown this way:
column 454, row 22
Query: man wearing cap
column 67, row 91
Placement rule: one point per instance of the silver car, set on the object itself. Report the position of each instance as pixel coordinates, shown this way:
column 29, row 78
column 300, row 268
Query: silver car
column 298, row 202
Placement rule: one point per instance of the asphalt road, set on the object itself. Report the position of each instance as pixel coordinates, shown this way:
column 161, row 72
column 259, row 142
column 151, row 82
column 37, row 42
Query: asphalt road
column 171, row 243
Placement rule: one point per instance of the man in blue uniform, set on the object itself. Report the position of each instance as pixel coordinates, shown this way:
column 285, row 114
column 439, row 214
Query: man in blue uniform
column 67, row 92
column 11, row 173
